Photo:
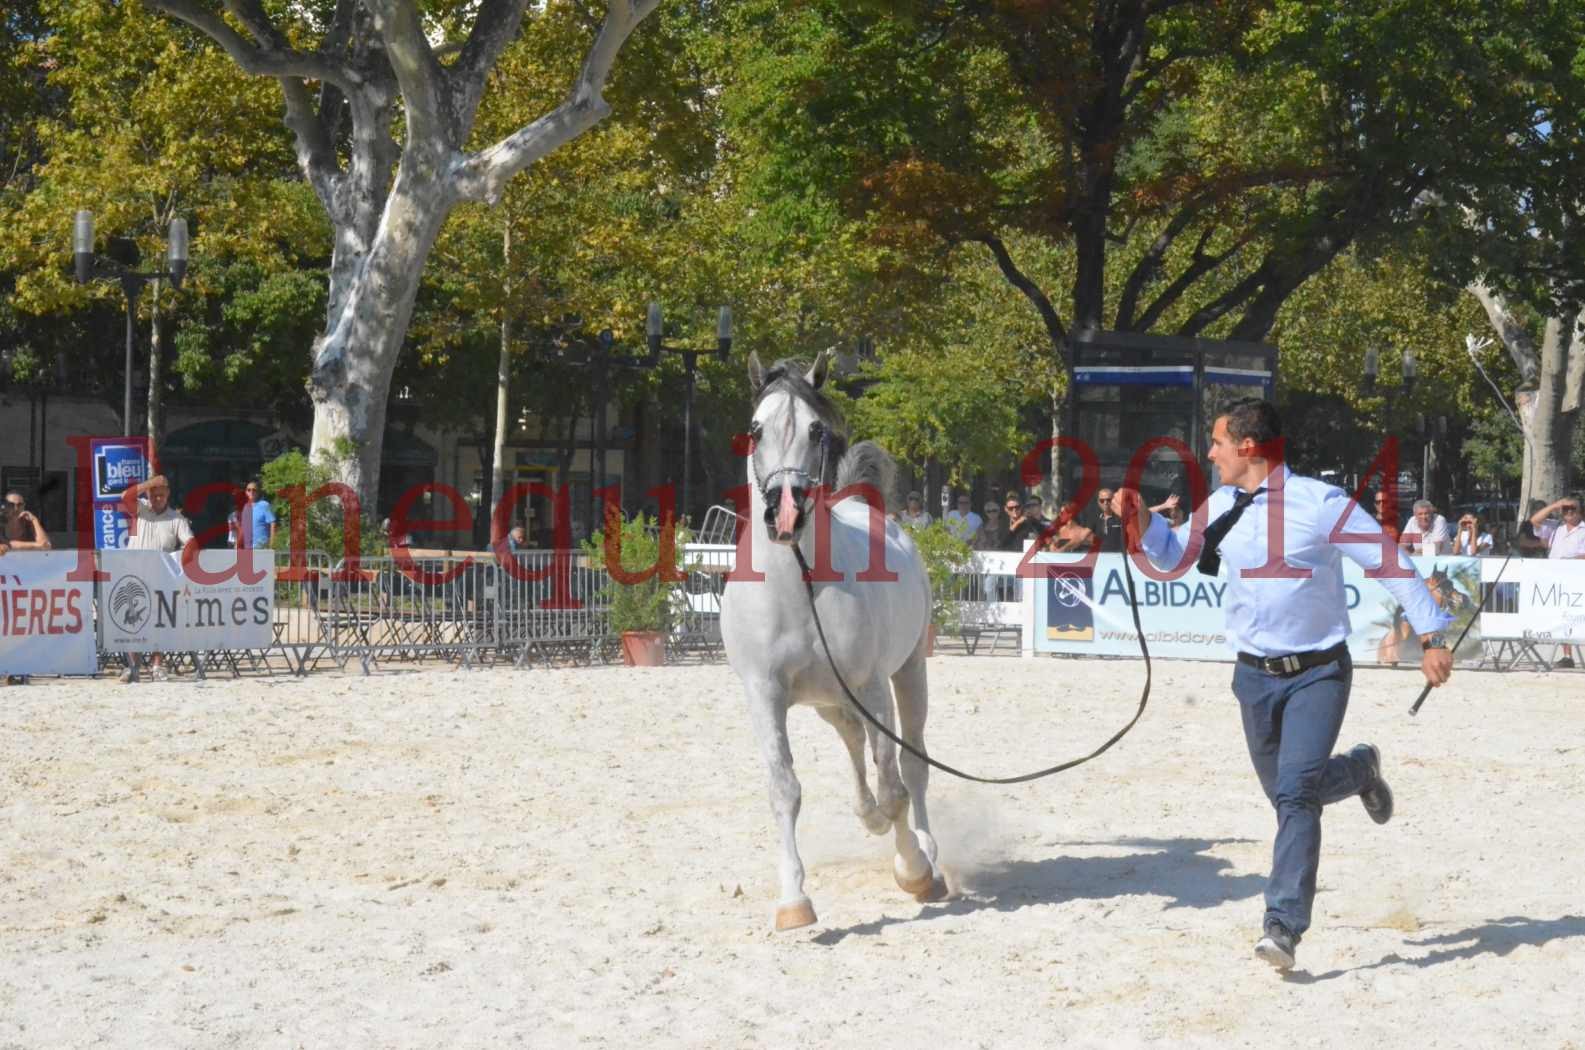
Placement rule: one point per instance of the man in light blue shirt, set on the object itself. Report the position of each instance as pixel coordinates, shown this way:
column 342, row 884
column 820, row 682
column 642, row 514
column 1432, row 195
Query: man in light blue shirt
column 257, row 520
column 1287, row 617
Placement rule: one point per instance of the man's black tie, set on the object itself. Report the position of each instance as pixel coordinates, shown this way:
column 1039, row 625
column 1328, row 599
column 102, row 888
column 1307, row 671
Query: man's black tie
column 1216, row 532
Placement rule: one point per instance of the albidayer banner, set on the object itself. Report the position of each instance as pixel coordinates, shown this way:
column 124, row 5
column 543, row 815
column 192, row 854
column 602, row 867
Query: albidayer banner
column 151, row 604
column 1086, row 611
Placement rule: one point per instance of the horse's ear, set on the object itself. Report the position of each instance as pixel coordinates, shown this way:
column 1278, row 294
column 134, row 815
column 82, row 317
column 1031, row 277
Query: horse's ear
column 816, row 375
column 756, row 372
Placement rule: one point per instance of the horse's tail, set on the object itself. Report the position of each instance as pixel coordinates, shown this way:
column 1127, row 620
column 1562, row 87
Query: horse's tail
column 866, row 463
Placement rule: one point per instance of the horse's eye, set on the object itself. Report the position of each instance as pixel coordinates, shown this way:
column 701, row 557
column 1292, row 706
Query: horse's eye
column 817, row 429
column 755, row 429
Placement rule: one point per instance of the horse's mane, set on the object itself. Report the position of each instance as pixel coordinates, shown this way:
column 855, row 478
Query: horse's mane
column 865, row 463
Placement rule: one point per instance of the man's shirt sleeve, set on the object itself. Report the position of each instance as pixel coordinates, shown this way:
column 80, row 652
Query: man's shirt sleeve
column 1161, row 543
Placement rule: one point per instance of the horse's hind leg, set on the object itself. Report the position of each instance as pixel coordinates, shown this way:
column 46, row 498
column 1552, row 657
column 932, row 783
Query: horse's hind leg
column 767, row 703
column 851, row 730
column 912, row 866
column 911, row 686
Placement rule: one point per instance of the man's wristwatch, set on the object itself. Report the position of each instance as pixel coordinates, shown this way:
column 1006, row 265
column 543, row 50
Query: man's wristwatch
column 1434, row 640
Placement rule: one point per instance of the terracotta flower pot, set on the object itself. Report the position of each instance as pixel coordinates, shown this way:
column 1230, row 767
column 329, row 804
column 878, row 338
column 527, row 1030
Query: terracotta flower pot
column 930, row 640
column 643, row 648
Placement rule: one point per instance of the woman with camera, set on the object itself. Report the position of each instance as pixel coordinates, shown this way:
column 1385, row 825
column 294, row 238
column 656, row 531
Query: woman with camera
column 1471, row 538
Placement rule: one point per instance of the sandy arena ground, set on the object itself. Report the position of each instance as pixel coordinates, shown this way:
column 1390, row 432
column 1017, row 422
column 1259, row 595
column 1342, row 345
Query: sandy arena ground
column 586, row 857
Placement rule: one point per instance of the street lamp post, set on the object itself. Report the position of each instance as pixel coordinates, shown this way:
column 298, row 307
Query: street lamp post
column 94, row 267
column 600, row 361
column 690, row 358
column 1410, row 375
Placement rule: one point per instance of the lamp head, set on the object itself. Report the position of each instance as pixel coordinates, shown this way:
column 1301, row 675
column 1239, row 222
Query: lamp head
column 723, row 333
column 83, row 244
column 652, row 328
column 176, row 253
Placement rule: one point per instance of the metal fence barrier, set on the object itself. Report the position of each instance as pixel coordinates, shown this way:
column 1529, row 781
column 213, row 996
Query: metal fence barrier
column 470, row 610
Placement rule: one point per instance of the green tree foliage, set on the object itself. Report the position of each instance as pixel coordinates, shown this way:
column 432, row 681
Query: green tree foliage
column 1226, row 151
column 140, row 122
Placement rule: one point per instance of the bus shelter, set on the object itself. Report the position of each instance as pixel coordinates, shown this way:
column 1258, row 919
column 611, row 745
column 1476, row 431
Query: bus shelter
column 1130, row 388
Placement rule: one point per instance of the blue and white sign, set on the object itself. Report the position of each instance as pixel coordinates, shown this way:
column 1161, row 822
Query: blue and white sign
column 118, row 463
column 1086, row 610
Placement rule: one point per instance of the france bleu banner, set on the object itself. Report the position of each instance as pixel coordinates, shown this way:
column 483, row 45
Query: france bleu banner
column 116, row 463
column 1085, row 611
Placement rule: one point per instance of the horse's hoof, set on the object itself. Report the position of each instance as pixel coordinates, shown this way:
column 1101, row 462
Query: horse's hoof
column 792, row 916
column 926, row 888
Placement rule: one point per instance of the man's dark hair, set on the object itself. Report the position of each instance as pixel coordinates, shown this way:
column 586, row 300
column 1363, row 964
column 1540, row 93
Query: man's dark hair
column 1253, row 418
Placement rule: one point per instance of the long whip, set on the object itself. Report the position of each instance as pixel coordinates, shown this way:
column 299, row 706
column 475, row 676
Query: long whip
column 1472, row 345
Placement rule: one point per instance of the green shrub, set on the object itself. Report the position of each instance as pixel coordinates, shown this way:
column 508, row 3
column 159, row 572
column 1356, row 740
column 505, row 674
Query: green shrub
column 652, row 604
column 324, row 529
column 945, row 557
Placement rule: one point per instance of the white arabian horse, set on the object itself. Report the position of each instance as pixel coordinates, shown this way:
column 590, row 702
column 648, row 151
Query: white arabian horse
column 876, row 630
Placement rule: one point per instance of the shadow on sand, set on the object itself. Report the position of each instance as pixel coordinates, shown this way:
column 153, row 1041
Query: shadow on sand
column 1498, row 937
column 1181, row 870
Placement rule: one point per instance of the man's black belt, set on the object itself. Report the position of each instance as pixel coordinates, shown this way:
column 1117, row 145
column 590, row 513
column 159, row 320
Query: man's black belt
column 1293, row 663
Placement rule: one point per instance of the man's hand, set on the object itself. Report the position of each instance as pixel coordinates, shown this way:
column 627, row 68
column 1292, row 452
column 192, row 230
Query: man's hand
column 1437, row 666
column 1128, row 501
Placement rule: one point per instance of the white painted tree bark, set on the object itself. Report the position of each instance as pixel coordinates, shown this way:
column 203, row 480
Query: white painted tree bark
column 390, row 196
column 1548, row 396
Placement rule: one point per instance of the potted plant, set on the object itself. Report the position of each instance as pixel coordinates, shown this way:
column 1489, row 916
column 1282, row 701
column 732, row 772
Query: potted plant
column 946, row 558
column 641, row 600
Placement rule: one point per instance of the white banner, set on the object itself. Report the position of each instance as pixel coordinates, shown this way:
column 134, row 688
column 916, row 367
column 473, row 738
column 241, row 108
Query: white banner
column 1077, row 610
column 152, row 603
column 1538, row 600
column 46, row 619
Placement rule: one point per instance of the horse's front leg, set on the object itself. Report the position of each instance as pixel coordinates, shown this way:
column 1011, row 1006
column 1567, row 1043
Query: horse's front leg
column 768, row 703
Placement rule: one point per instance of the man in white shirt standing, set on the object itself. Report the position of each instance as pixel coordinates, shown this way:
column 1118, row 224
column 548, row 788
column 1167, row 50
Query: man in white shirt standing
column 1565, row 540
column 158, row 527
column 1287, row 617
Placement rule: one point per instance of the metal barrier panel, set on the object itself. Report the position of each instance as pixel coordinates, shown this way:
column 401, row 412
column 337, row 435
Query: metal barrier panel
column 403, row 609
column 547, row 605
column 696, row 621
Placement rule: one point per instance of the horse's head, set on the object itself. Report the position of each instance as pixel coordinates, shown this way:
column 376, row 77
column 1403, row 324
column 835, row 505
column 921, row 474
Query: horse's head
column 796, row 442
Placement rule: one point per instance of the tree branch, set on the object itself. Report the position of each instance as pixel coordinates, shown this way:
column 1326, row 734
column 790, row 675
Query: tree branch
column 496, row 25
column 1575, row 378
column 1201, row 265
column 418, row 73
column 316, row 153
column 1228, row 301
column 262, row 60
column 1516, row 338
column 1032, row 292
column 483, row 176
column 1150, row 265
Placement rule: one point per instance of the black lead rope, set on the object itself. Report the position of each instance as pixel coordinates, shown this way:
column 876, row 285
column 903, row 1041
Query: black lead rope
column 1144, row 697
